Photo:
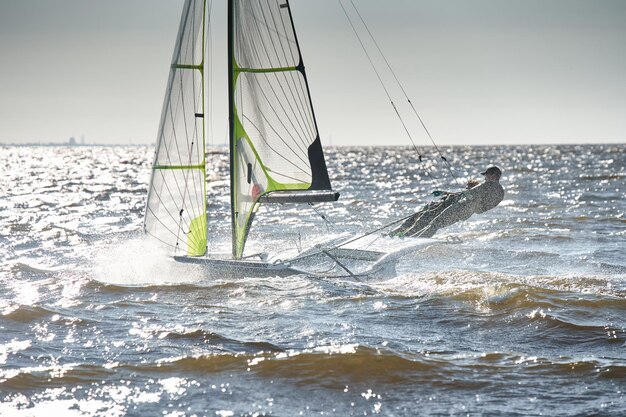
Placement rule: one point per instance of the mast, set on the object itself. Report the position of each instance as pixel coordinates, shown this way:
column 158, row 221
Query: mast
column 231, row 120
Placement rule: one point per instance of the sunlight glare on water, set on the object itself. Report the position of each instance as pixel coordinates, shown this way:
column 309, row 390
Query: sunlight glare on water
column 518, row 311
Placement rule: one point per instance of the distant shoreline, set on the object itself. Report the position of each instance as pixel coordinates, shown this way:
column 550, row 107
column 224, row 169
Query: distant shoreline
column 91, row 145
column 67, row 145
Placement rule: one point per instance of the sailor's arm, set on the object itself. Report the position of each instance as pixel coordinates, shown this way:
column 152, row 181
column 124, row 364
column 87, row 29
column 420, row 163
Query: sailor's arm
column 470, row 184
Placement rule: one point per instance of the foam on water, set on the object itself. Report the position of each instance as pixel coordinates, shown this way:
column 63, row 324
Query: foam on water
column 141, row 261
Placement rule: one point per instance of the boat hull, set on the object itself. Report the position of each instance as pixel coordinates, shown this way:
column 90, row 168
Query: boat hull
column 371, row 256
column 241, row 268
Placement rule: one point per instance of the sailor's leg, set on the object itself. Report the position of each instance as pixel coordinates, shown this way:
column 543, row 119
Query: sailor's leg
column 430, row 215
column 421, row 222
column 408, row 223
column 453, row 214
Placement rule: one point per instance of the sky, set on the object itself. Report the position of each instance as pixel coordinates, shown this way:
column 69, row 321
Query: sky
column 478, row 71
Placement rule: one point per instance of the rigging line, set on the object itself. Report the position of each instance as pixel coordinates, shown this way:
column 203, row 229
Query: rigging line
column 198, row 103
column 404, row 92
column 169, row 191
column 246, row 209
column 371, row 232
column 369, row 58
column 323, row 216
column 327, row 253
column 302, row 131
column 212, row 159
column 333, row 267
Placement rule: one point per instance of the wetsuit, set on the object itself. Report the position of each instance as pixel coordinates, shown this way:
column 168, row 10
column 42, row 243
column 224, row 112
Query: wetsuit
column 422, row 218
column 477, row 200
column 451, row 209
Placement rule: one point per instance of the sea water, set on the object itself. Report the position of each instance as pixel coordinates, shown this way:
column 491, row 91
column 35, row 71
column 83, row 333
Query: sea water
column 518, row 311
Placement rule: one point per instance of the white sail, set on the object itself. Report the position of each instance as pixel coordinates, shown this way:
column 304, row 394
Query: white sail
column 176, row 206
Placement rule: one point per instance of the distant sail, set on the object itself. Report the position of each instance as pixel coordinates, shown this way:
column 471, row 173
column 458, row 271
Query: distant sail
column 275, row 144
column 176, row 207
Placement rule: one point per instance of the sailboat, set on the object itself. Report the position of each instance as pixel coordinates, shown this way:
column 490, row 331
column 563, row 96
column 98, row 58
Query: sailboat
column 276, row 155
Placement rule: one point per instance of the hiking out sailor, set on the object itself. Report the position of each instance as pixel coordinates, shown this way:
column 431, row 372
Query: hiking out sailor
column 455, row 207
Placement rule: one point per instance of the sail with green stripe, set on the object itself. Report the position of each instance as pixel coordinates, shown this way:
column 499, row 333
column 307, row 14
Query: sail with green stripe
column 176, row 206
column 274, row 140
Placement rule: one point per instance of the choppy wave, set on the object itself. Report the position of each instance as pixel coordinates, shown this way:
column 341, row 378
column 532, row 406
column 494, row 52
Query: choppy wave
column 22, row 313
column 350, row 364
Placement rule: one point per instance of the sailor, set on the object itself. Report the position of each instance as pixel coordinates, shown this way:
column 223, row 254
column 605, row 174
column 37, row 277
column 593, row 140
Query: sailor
column 455, row 207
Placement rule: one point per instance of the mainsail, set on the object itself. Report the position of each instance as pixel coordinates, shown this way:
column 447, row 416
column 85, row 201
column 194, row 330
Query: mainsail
column 176, row 207
column 275, row 144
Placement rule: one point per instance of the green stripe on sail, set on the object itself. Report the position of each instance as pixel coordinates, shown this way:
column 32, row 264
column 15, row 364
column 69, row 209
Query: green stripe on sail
column 199, row 166
column 266, row 70
column 196, row 239
column 188, row 66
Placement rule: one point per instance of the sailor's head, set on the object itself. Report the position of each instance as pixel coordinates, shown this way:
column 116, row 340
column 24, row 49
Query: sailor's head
column 492, row 173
